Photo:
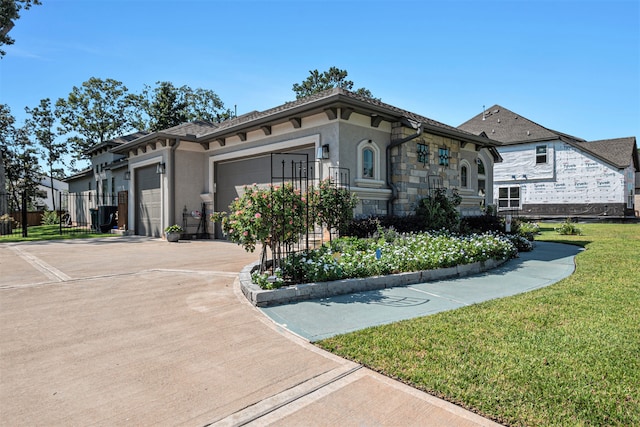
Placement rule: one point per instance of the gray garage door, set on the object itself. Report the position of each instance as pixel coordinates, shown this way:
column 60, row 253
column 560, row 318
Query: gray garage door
column 148, row 202
column 233, row 175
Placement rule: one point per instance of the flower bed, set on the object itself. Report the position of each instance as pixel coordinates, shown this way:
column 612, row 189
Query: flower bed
column 391, row 253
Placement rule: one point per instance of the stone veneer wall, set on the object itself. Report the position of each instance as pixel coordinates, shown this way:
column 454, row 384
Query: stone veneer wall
column 411, row 177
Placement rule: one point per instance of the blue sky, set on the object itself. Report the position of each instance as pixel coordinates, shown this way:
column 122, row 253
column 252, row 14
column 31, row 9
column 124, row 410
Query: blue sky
column 572, row 66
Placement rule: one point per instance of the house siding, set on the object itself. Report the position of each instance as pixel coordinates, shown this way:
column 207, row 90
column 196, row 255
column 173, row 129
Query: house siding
column 578, row 183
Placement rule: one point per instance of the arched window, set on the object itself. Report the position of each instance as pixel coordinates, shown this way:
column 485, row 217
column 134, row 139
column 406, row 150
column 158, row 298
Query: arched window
column 482, row 182
column 480, row 167
column 368, row 163
column 464, row 177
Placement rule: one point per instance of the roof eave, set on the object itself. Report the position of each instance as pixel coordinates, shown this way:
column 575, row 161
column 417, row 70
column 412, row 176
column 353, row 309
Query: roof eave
column 132, row 145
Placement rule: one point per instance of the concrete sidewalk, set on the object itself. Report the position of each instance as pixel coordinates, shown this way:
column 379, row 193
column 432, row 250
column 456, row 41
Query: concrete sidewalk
column 136, row 331
column 317, row 319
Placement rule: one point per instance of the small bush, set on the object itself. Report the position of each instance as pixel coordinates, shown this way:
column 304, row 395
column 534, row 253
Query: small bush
column 439, row 212
column 368, row 226
column 528, row 229
column 568, row 228
column 50, row 218
column 481, row 224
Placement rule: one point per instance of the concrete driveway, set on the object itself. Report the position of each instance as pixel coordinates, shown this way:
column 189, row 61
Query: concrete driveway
column 136, row 331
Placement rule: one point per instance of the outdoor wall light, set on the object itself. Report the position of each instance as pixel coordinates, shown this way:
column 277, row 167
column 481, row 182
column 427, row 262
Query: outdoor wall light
column 323, row 152
column 127, row 176
column 160, row 169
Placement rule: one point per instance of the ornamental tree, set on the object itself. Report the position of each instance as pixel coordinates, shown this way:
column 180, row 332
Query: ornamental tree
column 280, row 215
column 332, row 205
column 271, row 216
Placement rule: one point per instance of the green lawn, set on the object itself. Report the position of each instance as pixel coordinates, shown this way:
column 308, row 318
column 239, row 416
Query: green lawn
column 47, row 232
column 568, row 354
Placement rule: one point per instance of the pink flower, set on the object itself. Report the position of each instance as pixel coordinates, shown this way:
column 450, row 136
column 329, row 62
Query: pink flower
column 246, row 233
column 258, row 215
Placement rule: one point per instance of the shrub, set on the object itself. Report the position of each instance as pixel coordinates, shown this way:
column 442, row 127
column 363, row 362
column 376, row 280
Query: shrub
column 332, row 206
column 481, row 224
column 368, row 226
column 438, row 211
column 362, row 227
column 522, row 243
column 353, row 257
column 270, row 216
column 568, row 228
column 50, row 218
column 528, row 229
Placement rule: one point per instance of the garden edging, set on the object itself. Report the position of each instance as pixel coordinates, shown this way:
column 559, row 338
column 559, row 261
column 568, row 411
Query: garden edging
column 265, row 297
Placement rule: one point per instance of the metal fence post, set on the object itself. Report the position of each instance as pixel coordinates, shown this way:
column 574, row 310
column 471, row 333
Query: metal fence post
column 24, row 214
column 60, row 210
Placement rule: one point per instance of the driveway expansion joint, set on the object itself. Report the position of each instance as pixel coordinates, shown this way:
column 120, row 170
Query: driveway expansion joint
column 273, row 403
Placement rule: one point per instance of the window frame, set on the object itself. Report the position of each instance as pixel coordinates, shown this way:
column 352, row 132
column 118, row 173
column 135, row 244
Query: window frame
column 507, row 202
column 544, row 156
column 444, row 154
column 361, row 179
column 363, row 172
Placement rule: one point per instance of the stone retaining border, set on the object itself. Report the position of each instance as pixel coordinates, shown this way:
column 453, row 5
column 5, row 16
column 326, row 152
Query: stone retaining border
column 264, row 297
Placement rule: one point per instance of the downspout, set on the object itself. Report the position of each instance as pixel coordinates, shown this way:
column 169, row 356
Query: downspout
column 171, row 191
column 396, row 143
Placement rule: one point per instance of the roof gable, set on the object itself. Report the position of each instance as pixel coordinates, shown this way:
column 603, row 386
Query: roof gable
column 619, row 152
column 507, row 127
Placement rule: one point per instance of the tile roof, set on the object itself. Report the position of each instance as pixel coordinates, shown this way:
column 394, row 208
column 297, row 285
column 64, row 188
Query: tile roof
column 337, row 94
column 336, row 97
column 116, row 141
column 197, row 128
column 508, row 127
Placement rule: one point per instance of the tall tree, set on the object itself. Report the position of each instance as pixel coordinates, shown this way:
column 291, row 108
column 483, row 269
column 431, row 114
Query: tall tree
column 205, row 104
column 318, row 82
column 96, row 112
column 42, row 125
column 6, row 131
column 9, row 13
column 22, row 167
column 166, row 106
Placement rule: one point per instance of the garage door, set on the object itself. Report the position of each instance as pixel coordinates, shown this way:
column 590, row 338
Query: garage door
column 148, row 202
column 231, row 176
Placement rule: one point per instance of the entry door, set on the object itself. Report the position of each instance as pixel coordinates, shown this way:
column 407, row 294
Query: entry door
column 148, row 202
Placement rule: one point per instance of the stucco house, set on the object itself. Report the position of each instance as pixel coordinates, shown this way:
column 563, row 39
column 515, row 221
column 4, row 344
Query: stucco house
column 393, row 158
column 102, row 186
column 546, row 173
column 47, row 196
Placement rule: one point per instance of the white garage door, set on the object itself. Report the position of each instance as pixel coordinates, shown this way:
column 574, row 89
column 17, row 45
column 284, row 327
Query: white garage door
column 148, row 202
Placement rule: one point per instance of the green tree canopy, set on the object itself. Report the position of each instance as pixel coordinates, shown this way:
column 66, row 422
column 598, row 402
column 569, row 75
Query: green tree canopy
column 21, row 165
column 6, row 130
column 166, row 106
column 95, row 112
column 318, row 82
column 42, row 124
column 9, row 13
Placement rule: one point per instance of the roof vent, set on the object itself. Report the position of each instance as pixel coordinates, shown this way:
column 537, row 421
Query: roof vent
column 516, row 117
column 493, row 131
column 498, row 120
column 528, row 133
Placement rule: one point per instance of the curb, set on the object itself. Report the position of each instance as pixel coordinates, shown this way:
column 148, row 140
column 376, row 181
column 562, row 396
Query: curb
column 266, row 297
